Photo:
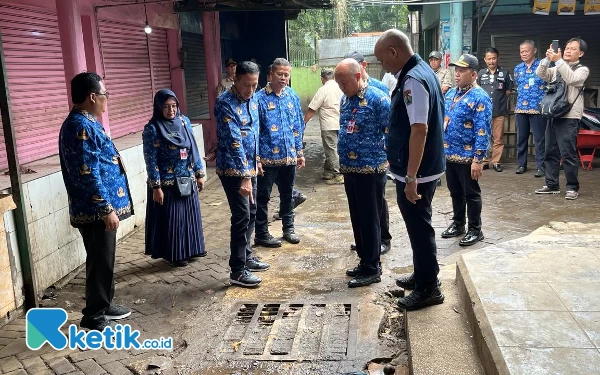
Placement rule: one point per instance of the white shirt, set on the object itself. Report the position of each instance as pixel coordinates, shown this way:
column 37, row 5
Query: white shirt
column 390, row 81
column 416, row 100
column 327, row 102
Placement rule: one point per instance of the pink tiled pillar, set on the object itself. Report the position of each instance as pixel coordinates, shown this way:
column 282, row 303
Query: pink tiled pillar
column 212, row 53
column 71, row 39
column 177, row 74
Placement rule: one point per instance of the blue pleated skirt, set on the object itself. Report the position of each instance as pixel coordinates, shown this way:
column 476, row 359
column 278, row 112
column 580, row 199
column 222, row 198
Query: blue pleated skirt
column 174, row 230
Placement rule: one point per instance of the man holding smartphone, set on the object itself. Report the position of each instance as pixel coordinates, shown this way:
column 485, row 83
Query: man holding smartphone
column 561, row 133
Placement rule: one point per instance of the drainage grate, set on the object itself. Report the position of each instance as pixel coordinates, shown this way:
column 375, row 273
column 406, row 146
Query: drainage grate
column 291, row 331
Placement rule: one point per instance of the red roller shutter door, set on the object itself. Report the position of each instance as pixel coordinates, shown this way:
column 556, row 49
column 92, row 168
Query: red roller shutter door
column 127, row 76
column 36, row 80
column 159, row 50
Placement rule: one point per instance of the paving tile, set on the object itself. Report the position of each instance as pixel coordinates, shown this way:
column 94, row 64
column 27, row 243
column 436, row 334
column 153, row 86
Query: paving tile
column 506, row 277
column 541, row 329
column 86, row 354
column 10, row 364
column 566, row 265
column 552, row 361
column 34, row 365
column 61, row 366
column 17, row 372
column 579, row 296
column 90, row 367
column 116, row 368
column 519, row 296
column 113, row 356
column 590, row 322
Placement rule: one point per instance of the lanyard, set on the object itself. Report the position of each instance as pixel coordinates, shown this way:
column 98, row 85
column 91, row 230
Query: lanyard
column 460, row 98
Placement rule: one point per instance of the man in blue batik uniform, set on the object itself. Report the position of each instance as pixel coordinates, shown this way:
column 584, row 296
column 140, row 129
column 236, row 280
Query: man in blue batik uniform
column 99, row 196
column 527, row 115
column 280, row 151
column 466, row 139
column 236, row 112
column 364, row 113
column 386, row 237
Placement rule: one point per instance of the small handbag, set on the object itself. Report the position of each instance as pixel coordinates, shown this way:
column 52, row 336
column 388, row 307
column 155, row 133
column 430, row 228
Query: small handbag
column 185, row 186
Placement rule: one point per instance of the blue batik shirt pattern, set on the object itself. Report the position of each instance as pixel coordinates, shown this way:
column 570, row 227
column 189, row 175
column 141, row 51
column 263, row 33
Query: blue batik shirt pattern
column 468, row 119
column 93, row 171
column 281, row 127
column 363, row 150
column 531, row 88
column 237, row 135
column 163, row 159
column 378, row 85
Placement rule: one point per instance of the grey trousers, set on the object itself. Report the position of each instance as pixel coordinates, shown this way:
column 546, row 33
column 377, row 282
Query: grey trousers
column 332, row 160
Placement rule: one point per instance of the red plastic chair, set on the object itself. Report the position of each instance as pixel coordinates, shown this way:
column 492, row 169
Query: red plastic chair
column 587, row 139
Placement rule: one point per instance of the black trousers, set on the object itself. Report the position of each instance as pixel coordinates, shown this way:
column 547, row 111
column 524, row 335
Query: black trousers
column 465, row 193
column 561, row 142
column 537, row 125
column 285, row 177
column 243, row 216
column 384, row 219
column 365, row 201
column 100, row 247
column 417, row 217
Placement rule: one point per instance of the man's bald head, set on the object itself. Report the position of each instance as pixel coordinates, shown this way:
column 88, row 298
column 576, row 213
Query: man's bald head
column 347, row 75
column 393, row 50
column 395, row 38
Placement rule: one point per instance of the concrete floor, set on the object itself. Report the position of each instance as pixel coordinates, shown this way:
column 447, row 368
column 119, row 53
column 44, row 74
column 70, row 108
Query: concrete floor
column 195, row 305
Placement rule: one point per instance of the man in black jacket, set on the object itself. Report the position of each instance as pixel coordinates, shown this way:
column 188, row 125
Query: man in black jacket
column 416, row 155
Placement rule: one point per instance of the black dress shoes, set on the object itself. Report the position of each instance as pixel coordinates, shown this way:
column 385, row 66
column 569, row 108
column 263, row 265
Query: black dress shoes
column 267, row 241
column 291, row 237
column 498, row 167
column 364, row 280
column 419, row 299
column 353, row 271
column 385, row 247
column 453, row 230
column 486, row 166
column 472, row 237
column 540, row 172
column 521, row 170
column 408, row 281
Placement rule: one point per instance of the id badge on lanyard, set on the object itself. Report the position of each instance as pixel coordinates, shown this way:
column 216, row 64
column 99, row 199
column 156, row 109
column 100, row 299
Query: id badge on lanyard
column 351, row 123
column 183, row 154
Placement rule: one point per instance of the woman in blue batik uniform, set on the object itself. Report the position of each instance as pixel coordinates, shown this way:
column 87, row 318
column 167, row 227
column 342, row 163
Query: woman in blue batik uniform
column 173, row 222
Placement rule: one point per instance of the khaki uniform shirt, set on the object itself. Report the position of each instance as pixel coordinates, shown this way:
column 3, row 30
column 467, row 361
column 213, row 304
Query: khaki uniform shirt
column 224, row 85
column 444, row 77
column 327, row 102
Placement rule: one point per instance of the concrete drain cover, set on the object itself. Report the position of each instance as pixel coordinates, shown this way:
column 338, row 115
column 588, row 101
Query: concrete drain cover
column 292, row 331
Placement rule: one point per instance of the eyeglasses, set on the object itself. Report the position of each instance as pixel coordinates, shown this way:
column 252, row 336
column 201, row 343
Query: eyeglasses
column 103, row 94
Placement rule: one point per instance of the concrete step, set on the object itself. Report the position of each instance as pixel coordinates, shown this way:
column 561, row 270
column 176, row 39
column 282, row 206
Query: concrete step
column 438, row 338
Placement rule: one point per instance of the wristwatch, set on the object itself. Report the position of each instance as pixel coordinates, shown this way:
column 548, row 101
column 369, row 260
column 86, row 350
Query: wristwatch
column 409, row 179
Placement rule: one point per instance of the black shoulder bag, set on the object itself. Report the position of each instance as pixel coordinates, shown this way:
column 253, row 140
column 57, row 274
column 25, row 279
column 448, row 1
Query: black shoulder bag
column 555, row 103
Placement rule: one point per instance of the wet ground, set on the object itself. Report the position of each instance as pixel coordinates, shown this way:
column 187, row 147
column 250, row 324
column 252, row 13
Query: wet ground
column 303, row 319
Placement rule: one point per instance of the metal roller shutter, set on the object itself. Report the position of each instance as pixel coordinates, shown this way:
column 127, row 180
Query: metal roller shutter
column 36, row 79
column 159, row 49
column 196, row 87
column 127, row 76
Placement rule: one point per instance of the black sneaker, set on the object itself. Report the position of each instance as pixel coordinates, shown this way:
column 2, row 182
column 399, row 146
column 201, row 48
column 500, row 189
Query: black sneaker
column 352, row 272
column 407, row 281
column 299, row 199
column 267, row 241
column 255, row 265
column 116, row 312
column 276, row 216
column 419, row 299
column 364, row 280
column 291, row 237
column 96, row 324
column 244, row 278
column 386, row 246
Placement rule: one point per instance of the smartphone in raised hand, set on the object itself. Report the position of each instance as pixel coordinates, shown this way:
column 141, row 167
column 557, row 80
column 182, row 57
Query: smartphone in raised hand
column 555, row 45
